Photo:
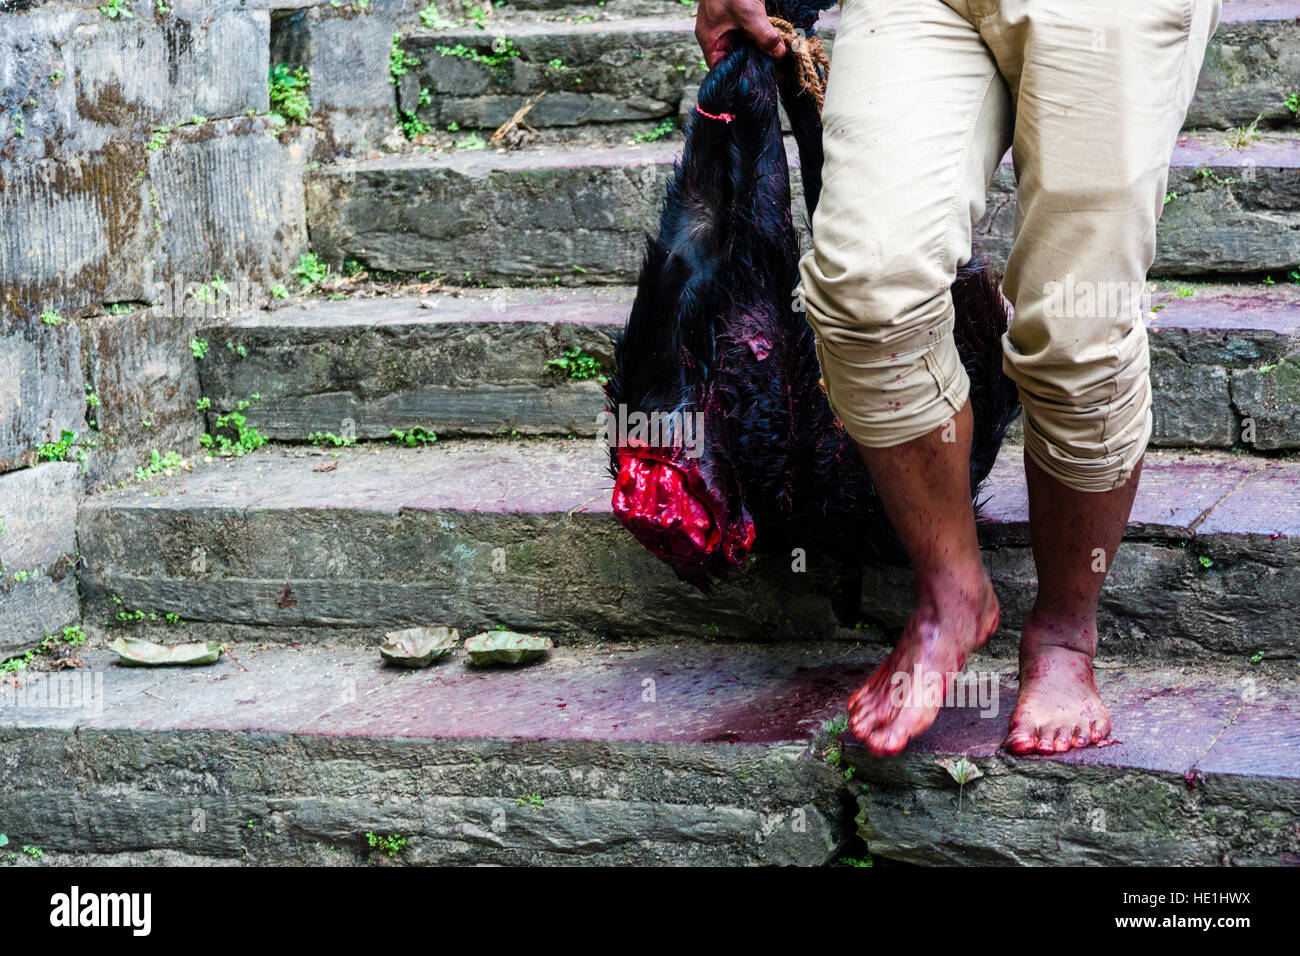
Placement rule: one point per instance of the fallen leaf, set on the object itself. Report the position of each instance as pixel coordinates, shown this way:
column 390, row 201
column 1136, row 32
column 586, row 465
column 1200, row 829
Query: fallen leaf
column 506, row 647
column 134, row 652
column 286, row 598
column 327, row 466
column 418, row 646
column 961, row 769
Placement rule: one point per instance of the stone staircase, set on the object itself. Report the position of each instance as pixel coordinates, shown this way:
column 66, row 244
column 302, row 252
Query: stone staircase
column 668, row 726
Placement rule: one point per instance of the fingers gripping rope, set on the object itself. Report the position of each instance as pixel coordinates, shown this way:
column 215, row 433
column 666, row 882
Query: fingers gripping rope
column 811, row 65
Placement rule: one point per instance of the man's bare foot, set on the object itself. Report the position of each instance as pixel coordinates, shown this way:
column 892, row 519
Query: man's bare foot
column 952, row 618
column 1058, row 707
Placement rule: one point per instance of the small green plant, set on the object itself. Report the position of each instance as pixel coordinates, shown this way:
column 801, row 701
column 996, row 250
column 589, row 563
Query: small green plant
column 310, row 269
column 533, row 800
column 278, row 291
column 412, row 125
column 198, row 348
column 503, row 51
column 159, row 463
column 52, row 318
column 963, row 770
column 203, row 404
column 329, row 438
column 288, row 87
column 241, row 350
column 399, row 61
column 1257, row 657
column 431, row 18
column 472, row 141
column 575, row 363
column 1170, row 197
column 1205, row 562
column 415, row 437
column 666, row 128
column 158, row 139
column 245, row 438
column 57, row 450
column 36, row 852
column 1243, row 136
column 853, row 861
column 115, row 9
column 390, row 843
column 53, row 644
column 1292, row 103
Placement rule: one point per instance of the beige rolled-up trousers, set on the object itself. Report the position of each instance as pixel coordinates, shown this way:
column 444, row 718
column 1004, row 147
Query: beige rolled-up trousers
column 924, row 98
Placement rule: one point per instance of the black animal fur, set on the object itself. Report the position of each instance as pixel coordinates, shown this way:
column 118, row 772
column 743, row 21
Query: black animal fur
column 713, row 327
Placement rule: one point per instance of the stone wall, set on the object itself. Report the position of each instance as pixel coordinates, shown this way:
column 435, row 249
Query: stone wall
column 138, row 163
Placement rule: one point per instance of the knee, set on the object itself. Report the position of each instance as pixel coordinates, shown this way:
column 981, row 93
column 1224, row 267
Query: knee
column 1087, row 422
column 870, row 304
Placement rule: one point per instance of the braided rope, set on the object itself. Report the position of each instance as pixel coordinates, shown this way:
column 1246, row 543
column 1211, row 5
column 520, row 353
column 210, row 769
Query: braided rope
column 811, row 63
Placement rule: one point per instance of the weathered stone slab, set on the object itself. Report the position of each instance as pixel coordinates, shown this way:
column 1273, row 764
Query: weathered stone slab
column 221, row 198
column 226, row 200
column 38, row 545
column 1202, row 338
column 478, row 534
column 575, row 217
column 482, row 534
column 1268, row 399
column 137, row 75
column 578, row 216
column 623, row 68
column 659, row 755
column 1233, row 211
column 1250, row 67
column 621, row 71
column 470, row 364
column 73, row 231
column 143, row 374
column 77, row 80
column 41, row 392
column 475, row 363
column 345, row 51
column 1205, row 771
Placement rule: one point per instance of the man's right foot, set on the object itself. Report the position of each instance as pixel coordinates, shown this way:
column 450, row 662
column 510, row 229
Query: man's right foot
column 893, row 706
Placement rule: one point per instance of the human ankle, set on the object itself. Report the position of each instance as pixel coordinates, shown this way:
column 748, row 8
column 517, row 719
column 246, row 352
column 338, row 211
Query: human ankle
column 1043, row 633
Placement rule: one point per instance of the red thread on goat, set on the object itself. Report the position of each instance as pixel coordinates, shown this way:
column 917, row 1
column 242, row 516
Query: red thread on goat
column 725, row 117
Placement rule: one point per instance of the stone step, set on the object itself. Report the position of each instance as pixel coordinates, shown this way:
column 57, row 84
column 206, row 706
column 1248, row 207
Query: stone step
column 480, row 534
column 475, row 363
column 578, row 216
column 662, row 754
column 469, row 363
column 621, row 75
column 1205, row 771
column 611, row 755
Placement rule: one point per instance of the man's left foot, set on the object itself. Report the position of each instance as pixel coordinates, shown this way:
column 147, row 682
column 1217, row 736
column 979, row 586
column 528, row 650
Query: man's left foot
column 1058, row 707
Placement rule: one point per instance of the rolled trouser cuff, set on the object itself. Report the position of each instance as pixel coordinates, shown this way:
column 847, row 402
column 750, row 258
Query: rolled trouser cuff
column 1058, row 440
column 887, row 398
